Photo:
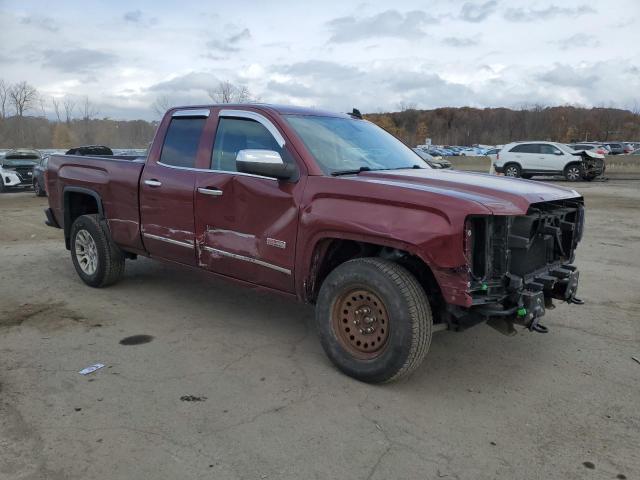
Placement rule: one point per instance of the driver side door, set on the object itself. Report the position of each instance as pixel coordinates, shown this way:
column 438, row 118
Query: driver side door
column 246, row 224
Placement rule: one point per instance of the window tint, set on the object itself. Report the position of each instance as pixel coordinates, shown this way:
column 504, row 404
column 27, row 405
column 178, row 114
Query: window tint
column 235, row 134
column 181, row 142
column 525, row 148
column 548, row 149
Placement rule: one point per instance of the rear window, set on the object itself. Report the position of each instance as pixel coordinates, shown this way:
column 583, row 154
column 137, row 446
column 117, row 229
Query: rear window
column 181, row 143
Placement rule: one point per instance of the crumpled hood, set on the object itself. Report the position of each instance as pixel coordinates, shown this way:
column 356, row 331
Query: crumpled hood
column 501, row 195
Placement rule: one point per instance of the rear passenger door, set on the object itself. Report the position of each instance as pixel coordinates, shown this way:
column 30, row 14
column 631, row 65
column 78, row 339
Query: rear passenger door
column 167, row 186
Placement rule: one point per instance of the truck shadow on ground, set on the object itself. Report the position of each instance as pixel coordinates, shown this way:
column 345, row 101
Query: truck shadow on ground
column 478, row 356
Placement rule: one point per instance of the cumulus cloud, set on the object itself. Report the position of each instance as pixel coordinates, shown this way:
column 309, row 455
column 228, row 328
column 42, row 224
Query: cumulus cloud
column 579, row 40
column 188, row 82
column 390, row 23
column 568, row 76
column 477, row 12
column 78, row 60
column 41, row 22
column 460, row 42
column 231, row 43
column 552, row 11
column 138, row 17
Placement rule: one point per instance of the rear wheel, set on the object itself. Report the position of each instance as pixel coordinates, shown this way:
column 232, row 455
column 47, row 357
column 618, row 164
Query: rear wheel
column 512, row 170
column 97, row 260
column 573, row 172
column 2, row 187
column 374, row 320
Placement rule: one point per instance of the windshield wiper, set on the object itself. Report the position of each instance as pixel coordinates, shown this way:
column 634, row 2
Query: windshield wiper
column 350, row 172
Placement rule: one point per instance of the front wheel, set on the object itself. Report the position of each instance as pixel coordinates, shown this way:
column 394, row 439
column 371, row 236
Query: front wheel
column 374, row 320
column 97, row 260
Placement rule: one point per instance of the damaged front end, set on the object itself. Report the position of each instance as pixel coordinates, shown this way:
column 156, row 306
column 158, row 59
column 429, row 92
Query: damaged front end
column 519, row 264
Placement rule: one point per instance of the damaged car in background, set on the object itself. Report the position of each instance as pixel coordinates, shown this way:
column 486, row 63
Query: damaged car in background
column 16, row 168
column 331, row 210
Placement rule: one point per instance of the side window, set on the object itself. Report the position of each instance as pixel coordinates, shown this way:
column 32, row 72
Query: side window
column 181, row 142
column 235, row 134
column 549, row 149
column 525, row 148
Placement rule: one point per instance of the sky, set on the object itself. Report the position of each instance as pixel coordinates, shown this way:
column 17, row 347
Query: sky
column 336, row 55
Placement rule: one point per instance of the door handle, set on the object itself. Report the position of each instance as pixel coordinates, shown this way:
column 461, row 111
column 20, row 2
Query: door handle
column 210, row 191
column 153, row 183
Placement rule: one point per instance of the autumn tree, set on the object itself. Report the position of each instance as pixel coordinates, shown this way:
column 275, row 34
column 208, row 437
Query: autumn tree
column 23, row 97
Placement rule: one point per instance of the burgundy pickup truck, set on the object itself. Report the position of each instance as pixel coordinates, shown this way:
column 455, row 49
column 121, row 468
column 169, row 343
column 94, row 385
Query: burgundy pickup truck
column 334, row 211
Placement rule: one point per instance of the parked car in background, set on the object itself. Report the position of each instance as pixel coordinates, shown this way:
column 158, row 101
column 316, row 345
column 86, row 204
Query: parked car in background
column 527, row 159
column 16, row 168
column 492, row 154
column 635, row 152
column 39, row 183
column 431, row 160
column 88, row 150
column 589, row 146
column 628, row 147
column 615, row 148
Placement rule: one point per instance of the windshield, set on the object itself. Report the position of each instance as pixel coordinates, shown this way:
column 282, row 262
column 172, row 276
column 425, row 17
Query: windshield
column 19, row 161
column 344, row 145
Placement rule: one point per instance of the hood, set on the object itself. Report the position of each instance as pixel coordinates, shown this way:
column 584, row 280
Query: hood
column 588, row 153
column 500, row 195
column 14, row 162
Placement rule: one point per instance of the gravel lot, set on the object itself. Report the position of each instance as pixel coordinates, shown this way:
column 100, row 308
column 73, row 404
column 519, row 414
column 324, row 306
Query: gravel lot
column 234, row 383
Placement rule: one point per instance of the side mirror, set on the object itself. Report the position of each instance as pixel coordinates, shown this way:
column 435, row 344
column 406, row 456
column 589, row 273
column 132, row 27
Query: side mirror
column 559, row 153
column 267, row 163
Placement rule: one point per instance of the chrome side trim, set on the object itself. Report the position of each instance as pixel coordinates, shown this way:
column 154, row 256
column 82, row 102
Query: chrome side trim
column 266, row 123
column 246, row 259
column 168, row 240
column 216, row 171
column 193, row 112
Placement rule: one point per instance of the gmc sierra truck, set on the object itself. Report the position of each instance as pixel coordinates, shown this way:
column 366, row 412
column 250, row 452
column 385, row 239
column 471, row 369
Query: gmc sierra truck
column 334, row 211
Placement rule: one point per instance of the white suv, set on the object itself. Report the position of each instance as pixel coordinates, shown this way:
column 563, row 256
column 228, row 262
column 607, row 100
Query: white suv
column 526, row 159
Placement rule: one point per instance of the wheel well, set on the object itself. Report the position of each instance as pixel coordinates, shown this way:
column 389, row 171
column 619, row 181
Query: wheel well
column 77, row 203
column 512, row 163
column 330, row 253
column 572, row 163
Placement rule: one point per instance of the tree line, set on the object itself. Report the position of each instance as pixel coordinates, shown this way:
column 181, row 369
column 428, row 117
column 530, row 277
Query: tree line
column 24, row 121
column 498, row 126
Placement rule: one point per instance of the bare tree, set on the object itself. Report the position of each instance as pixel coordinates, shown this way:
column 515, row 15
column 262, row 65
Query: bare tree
column 227, row 92
column 161, row 105
column 69, row 105
column 23, row 97
column 5, row 88
column 89, row 110
column 42, row 104
column 57, row 108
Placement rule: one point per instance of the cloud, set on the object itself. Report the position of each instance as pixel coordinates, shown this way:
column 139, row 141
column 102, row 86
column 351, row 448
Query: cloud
column 532, row 14
column 460, row 42
column 389, row 23
column 231, row 43
column 319, row 69
column 78, row 60
column 579, row 40
column 41, row 22
column 568, row 76
column 138, row 17
column 134, row 16
column 477, row 12
column 191, row 81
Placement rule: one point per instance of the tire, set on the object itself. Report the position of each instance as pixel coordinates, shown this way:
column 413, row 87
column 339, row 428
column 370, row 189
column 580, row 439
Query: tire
column 99, row 264
column 399, row 304
column 512, row 170
column 38, row 190
column 573, row 172
column 2, row 187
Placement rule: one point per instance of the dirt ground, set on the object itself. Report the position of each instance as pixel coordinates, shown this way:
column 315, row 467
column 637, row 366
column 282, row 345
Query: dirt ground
column 233, row 384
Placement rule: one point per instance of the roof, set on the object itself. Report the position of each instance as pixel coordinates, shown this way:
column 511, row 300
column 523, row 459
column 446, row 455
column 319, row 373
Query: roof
column 280, row 109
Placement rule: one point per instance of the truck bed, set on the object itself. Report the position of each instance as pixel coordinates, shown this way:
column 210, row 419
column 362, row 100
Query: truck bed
column 114, row 178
